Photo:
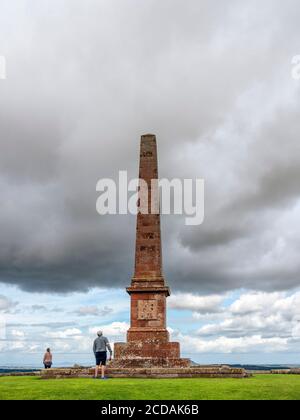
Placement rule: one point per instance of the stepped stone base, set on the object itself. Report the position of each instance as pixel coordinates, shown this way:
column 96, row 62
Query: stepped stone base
column 149, row 363
column 151, row 373
column 148, row 355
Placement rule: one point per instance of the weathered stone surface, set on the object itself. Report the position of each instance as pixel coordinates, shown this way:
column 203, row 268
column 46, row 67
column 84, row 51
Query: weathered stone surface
column 286, row 372
column 146, row 349
column 37, row 373
column 144, row 362
column 145, row 372
column 148, row 338
column 67, row 373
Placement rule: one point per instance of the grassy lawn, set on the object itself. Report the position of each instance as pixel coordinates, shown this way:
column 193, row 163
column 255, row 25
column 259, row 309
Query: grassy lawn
column 263, row 387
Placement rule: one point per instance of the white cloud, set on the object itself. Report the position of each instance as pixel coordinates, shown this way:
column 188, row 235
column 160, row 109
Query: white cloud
column 296, row 331
column 68, row 333
column 225, row 344
column 253, row 302
column 38, row 308
column 17, row 334
column 2, row 328
column 115, row 329
column 200, row 304
column 15, row 346
column 171, row 330
column 93, row 311
column 88, row 310
column 6, row 304
column 256, row 321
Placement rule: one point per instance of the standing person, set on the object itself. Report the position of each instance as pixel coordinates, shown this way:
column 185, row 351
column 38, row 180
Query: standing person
column 47, row 359
column 99, row 348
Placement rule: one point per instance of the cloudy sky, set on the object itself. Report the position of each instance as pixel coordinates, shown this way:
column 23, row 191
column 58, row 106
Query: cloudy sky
column 213, row 80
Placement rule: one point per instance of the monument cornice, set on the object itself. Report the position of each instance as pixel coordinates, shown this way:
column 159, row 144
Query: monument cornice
column 149, row 289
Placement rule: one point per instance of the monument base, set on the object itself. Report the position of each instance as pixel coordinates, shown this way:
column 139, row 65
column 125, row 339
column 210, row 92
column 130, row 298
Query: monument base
column 148, row 355
column 150, row 373
column 149, row 363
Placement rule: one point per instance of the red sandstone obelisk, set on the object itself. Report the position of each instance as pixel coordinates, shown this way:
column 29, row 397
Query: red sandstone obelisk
column 148, row 338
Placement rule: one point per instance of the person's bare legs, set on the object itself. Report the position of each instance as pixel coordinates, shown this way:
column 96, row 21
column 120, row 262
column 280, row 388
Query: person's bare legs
column 103, row 371
column 96, row 371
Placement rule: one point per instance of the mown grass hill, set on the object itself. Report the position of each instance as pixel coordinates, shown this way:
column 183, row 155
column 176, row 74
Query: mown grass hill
column 258, row 387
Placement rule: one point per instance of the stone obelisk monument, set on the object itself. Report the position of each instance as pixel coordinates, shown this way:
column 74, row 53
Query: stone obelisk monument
column 148, row 342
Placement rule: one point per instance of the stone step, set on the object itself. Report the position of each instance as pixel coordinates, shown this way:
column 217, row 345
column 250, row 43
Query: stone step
column 191, row 372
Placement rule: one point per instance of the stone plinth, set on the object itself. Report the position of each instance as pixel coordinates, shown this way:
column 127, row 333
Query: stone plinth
column 151, row 373
column 149, row 363
column 152, row 354
column 139, row 350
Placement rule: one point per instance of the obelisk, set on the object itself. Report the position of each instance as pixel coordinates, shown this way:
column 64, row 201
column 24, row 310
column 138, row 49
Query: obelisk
column 148, row 338
column 148, row 343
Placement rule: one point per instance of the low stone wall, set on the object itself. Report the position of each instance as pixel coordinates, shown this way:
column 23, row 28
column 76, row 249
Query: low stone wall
column 67, row 373
column 286, row 372
column 191, row 372
column 259, row 372
column 38, row 373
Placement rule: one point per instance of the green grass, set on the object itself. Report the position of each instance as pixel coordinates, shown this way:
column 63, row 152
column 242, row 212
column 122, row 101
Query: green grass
column 262, row 387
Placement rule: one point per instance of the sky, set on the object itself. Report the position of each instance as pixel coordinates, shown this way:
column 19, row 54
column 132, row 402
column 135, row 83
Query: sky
column 213, row 80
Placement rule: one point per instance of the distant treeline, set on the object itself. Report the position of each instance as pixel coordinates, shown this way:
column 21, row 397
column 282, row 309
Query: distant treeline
column 262, row 367
column 17, row 370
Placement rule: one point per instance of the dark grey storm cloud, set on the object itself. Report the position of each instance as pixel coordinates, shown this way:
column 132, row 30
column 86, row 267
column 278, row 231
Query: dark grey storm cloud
column 212, row 79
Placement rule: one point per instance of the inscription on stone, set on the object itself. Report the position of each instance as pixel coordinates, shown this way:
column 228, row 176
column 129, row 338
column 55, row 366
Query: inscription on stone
column 148, row 235
column 146, row 154
column 147, row 309
column 148, row 248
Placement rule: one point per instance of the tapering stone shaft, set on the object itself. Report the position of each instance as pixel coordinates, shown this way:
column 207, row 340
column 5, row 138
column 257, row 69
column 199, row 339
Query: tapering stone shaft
column 148, row 290
column 148, row 256
column 148, row 338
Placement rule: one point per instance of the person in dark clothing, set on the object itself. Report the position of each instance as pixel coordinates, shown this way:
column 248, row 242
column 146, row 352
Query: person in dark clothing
column 100, row 347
